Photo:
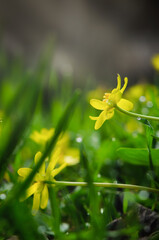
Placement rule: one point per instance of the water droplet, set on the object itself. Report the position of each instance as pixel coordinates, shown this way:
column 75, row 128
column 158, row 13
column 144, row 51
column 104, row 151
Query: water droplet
column 79, row 139
column 149, row 104
column 87, row 224
column 64, row 227
column 139, row 118
column 145, row 111
column 142, row 99
column 102, row 210
column 2, row 196
column 143, row 195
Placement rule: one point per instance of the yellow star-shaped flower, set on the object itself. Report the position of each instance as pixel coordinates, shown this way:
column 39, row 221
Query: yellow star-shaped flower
column 39, row 188
column 110, row 101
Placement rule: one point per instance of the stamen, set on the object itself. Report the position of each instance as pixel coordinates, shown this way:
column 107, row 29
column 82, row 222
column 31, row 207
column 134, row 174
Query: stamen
column 125, row 84
column 118, row 81
column 106, row 95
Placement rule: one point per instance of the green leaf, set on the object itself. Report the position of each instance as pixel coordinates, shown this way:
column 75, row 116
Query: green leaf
column 138, row 156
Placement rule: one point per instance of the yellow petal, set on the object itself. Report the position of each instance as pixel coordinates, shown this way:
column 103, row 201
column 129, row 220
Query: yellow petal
column 93, row 118
column 42, row 169
column 30, row 191
column 125, row 104
column 44, row 197
column 37, row 157
column 57, row 170
column 36, row 203
column 118, row 82
column 105, row 115
column 125, row 84
column 43, row 136
column 100, row 105
column 115, row 96
column 24, row 172
column 53, row 160
column 100, row 120
column 109, row 114
column 71, row 160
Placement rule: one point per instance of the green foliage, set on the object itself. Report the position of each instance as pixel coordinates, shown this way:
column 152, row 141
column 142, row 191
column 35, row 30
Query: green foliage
column 121, row 151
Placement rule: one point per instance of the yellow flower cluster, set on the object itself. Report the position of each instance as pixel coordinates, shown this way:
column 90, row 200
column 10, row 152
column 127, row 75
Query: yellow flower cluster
column 61, row 157
column 110, row 101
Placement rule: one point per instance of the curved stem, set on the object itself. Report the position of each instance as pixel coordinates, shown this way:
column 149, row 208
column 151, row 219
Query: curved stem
column 107, row 185
column 136, row 114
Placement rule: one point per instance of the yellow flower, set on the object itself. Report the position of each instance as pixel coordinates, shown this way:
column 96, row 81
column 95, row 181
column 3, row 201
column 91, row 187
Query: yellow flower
column 155, row 62
column 43, row 136
column 67, row 154
column 39, row 188
column 110, row 101
column 70, row 156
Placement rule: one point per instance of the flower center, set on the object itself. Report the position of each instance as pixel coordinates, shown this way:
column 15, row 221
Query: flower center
column 110, row 103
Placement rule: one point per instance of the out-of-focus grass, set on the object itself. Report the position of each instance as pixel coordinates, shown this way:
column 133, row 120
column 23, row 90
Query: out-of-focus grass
column 33, row 100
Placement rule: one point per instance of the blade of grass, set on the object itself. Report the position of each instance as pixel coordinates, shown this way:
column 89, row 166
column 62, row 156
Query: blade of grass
column 18, row 190
column 55, row 212
column 96, row 218
column 13, row 131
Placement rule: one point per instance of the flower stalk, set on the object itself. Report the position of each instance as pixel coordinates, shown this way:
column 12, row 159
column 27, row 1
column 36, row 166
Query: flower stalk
column 107, row 185
column 136, row 115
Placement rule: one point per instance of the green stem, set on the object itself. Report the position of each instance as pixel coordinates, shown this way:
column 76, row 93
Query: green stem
column 107, row 185
column 136, row 115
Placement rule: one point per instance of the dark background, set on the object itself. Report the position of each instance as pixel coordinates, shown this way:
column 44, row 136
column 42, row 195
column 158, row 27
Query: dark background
column 91, row 38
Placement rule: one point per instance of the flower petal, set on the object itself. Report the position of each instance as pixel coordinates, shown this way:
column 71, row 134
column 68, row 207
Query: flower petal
column 125, row 84
column 37, row 157
column 30, row 191
column 115, row 96
column 36, row 203
column 93, row 118
column 97, row 104
column 118, row 82
column 24, row 172
column 53, row 160
column 105, row 115
column 100, row 120
column 109, row 114
column 72, row 156
column 57, row 170
column 125, row 104
column 44, row 197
